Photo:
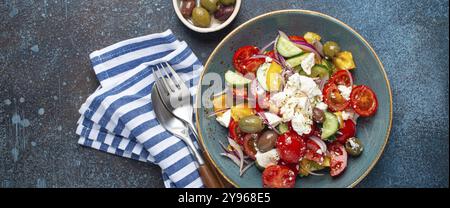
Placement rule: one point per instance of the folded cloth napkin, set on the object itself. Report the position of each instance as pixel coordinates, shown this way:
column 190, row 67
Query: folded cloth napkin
column 118, row 117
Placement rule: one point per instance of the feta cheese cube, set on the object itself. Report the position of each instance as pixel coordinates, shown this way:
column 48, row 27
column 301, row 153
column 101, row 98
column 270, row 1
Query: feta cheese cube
column 308, row 63
column 273, row 119
column 345, row 91
column 224, row 119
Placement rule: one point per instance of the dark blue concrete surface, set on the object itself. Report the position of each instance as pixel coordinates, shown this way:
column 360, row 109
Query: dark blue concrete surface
column 45, row 76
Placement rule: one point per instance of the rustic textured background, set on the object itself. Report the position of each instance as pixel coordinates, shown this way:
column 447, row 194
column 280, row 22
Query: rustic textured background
column 45, row 75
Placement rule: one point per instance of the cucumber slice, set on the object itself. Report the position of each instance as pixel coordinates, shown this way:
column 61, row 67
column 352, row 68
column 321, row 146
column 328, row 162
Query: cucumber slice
column 297, row 60
column 287, row 48
column 319, row 71
column 329, row 66
column 330, row 125
column 283, row 128
column 235, row 79
column 261, row 75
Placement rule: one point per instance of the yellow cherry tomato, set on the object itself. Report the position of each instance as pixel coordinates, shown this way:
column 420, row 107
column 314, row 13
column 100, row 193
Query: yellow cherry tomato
column 219, row 103
column 240, row 111
column 274, row 78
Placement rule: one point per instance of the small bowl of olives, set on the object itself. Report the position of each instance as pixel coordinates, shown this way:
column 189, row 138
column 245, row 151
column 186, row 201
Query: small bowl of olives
column 206, row 16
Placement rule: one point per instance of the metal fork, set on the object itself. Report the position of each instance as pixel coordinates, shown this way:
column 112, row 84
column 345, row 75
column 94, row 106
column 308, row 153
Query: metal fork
column 175, row 94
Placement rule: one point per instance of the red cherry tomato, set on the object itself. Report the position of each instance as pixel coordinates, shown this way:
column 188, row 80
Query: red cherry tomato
column 297, row 38
column 338, row 157
column 342, row 77
column 333, row 98
column 249, row 145
column 243, row 54
column 291, row 147
column 250, row 65
column 347, row 132
column 277, row 176
column 235, row 132
column 293, row 166
column 312, row 152
column 364, row 101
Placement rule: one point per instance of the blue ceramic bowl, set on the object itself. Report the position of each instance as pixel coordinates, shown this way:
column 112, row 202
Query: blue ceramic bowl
column 373, row 131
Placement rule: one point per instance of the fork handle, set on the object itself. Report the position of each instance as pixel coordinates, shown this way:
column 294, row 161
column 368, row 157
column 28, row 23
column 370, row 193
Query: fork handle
column 209, row 178
column 193, row 129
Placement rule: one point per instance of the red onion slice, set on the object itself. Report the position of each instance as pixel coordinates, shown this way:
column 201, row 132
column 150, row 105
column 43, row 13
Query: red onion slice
column 217, row 112
column 313, row 173
column 319, row 47
column 323, row 81
column 266, row 47
column 232, row 158
column 239, row 151
column 258, row 56
column 351, row 77
column 319, row 142
column 246, row 168
column 264, row 118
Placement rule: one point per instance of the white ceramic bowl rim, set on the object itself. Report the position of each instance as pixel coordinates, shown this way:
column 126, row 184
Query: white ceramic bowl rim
column 237, row 7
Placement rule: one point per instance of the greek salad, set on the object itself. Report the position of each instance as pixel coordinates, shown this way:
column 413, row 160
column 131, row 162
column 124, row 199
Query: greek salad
column 291, row 109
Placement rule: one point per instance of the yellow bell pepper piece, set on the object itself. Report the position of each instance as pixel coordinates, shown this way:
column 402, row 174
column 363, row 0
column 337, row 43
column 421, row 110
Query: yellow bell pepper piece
column 344, row 60
column 340, row 119
column 219, row 103
column 310, row 37
column 273, row 78
column 240, row 111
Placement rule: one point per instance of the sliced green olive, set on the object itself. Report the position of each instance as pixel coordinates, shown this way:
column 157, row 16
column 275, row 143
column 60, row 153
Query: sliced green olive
column 251, row 124
column 331, row 48
column 353, row 146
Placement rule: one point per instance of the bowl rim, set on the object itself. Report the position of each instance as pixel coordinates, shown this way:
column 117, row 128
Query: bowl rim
column 209, row 29
column 232, row 33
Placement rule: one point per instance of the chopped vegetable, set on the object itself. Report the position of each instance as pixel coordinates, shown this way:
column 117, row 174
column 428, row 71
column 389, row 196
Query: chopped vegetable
column 240, row 111
column 344, row 60
column 287, row 48
column 310, row 37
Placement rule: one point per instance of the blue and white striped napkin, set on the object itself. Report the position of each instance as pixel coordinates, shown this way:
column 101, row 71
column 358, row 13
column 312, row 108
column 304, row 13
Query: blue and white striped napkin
column 118, row 117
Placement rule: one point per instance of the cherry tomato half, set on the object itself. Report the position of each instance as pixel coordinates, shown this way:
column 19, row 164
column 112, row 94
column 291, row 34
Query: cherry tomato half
column 250, row 65
column 333, row 98
column 243, row 54
column 364, row 101
column 293, row 166
column 342, row 77
column 235, row 132
column 291, row 147
column 277, row 176
column 338, row 157
column 312, row 152
column 347, row 132
column 249, row 145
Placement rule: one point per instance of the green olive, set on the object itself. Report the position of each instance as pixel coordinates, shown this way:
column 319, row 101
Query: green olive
column 353, row 146
column 227, row 2
column 251, row 124
column 331, row 48
column 201, row 17
column 210, row 5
